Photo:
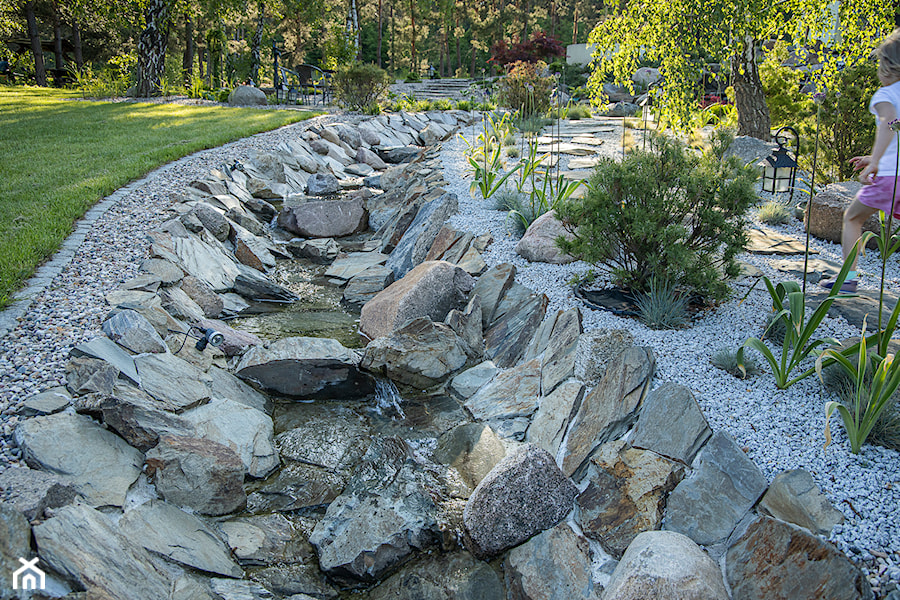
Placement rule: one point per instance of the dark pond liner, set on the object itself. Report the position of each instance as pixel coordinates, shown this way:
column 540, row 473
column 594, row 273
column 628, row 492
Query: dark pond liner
column 616, row 301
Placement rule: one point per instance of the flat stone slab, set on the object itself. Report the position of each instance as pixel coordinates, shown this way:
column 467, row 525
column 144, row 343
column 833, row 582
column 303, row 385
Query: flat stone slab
column 584, row 163
column 354, row 264
column 106, row 349
column 512, row 393
column 763, row 240
column 569, row 148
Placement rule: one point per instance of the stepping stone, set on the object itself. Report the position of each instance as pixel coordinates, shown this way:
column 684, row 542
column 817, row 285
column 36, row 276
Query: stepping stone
column 584, row 163
column 768, row 241
column 569, row 148
column 590, row 141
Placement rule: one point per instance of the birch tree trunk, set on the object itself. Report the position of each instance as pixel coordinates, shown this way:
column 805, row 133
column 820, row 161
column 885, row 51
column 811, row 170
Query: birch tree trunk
column 152, row 49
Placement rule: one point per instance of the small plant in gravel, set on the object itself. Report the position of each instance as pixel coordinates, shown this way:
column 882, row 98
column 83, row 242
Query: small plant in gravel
column 464, row 105
column 512, row 152
column 726, row 359
column 662, row 307
column 886, row 431
column 520, row 212
column 773, row 212
column 579, row 111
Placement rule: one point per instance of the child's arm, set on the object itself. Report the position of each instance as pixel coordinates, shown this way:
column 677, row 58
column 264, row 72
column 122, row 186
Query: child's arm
column 883, row 136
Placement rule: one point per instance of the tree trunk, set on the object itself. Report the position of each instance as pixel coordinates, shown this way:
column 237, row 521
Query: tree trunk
column 58, row 61
column 255, row 56
column 393, row 64
column 353, row 27
column 412, row 12
column 152, row 49
column 76, row 41
column 378, row 52
column 40, row 75
column 753, row 113
column 187, row 61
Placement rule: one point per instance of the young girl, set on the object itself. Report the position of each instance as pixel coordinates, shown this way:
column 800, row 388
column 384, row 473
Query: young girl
column 879, row 169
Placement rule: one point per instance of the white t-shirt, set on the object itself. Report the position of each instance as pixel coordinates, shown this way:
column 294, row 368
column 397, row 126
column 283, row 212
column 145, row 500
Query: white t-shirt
column 887, row 166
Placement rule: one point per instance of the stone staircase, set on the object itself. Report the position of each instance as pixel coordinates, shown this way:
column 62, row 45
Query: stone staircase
column 435, row 89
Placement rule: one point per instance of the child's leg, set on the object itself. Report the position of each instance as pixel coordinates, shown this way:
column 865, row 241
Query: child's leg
column 854, row 218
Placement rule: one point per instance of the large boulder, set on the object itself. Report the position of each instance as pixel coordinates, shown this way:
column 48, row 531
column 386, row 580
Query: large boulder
column 200, row 474
column 325, row 219
column 418, row 238
column 421, row 354
column 247, row 95
column 491, row 287
column 515, row 321
column 826, row 211
column 773, row 559
column 306, row 367
column 664, row 564
column 539, row 242
column 431, row 290
column 524, row 494
column 139, row 418
column 457, row 576
column 99, row 464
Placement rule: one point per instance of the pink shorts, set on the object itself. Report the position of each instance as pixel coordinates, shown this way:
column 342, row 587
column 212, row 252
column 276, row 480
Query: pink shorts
column 878, row 194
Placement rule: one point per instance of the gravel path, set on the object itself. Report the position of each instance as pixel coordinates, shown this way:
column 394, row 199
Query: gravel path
column 780, row 430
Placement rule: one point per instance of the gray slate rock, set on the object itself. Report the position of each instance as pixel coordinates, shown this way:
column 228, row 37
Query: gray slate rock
column 245, row 430
column 199, row 474
column 611, row 407
column 238, row 589
column 672, row 424
column 295, row 487
column 322, row 184
column 208, row 263
column 132, row 331
column 664, row 564
column 99, row 464
column 398, row 154
column 166, row 271
column 139, row 418
column 725, row 485
column 559, row 357
column 343, row 269
column 31, row 491
column 773, row 559
column 209, row 302
column 457, row 576
column 415, row 243
column 467, row 325
column 322, row 251
column 514, row 323
column 548, row 427
column 307, row 368
column 524, row 494
column 464, row 385
column 173, row 380
column 473, row 449
column 327, row 440
column 363, row 287
column 514, row 393
column 15, row 545
column 793, row 496
column 169, row 531
column 214, row 221
column 90, row 376
column 46, row 403
column 491, row 287
column 265, row 540
column 421, row 354
column 296, row 582
column 225, row 386
column 325, row 219
column 253, row 285
column 82, row 544
column 366, row 156
column 553, row 565
column 181, row 306
column 596, row 349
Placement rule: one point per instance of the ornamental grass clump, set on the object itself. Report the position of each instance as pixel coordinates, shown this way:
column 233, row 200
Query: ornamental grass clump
column 667, row 213
column 726, row 359
column 773, row 212
column 662, row 307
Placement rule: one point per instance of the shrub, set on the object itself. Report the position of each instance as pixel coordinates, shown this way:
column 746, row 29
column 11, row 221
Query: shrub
column 359, row 85
column 781, row 86
column 464, row 105
column 668, row 214
column 773, row 212
column 412, row 78
column 538, row 48
column 441, row 104
column 726, row 359
column 512, row 152
column 662, row 307
column 525, row 89
column 579, row 111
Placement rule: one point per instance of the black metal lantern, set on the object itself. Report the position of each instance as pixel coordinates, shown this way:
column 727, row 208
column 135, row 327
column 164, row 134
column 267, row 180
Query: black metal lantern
column 280, row 93
column 780, row 168
column 292, row 95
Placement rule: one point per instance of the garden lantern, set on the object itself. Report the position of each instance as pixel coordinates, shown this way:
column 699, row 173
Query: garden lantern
column 292, row 95
column 780, row 168
column 279, row 93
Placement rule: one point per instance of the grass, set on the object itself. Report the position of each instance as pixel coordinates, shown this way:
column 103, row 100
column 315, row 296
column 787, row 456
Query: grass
column 59, row 157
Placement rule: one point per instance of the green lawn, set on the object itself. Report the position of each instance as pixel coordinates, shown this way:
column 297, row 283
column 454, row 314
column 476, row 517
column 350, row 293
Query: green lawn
column 59, row 157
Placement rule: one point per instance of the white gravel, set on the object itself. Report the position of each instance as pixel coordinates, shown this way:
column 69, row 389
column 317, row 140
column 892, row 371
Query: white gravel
column 780, row 429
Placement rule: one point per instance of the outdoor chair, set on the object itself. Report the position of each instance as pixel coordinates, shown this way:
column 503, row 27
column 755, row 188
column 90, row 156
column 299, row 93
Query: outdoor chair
column 314, row 81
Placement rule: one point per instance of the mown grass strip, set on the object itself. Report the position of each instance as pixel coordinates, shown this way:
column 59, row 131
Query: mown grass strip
column 58, row 157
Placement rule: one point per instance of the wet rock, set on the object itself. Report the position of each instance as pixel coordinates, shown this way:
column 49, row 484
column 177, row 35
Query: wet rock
column 324, row 440
column 514, row 323
column 418, row 238
column 321, row 251
column 251, row 284
column 610, row 408
column 213, row 220
column 235, row 342
column 491, row 287
column 99, row 464
column 199, row 474
column 457, row 576
column 326, row 219
column 658, row 564
column 724, row 486
column 343, row 269
column 245, row 430
column 793, row 496
column 301, row 582
column 539, row 242
column 626, row 494
column 322, row 184
column 596, row 349
column 46, row 403
column 421, row 354
column 558, row 363
column 524, row 494
column 82, row 544
column 31, row 492
column 169, row 531
column 208, row 301
column 553, row 565
column 296, row 486
column 265, row 540
column 773, row 559
column 399, row 517
column 139, row 418
column 225, row 386
column 365, row 286
column 90, row 375
column 464, row 385
column 15, row 544
column 307, row 368
column 472, row 449
column 430, row 290
column 671, row 424
column 511, row 394
column 548, row 427
column 173, row 380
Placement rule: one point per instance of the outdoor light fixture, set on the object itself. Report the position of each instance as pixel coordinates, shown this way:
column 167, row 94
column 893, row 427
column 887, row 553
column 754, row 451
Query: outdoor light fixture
column 780, row 168
column 292, row 95
column 279, row 93
column 210, row 337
